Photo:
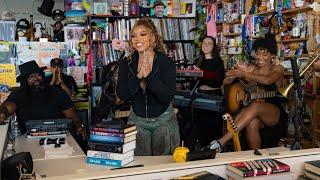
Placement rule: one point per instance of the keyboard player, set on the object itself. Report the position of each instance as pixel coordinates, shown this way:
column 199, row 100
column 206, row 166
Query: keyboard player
column 208, row 124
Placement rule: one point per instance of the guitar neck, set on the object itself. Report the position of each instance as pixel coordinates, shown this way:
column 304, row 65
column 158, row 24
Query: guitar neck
column 263, row 95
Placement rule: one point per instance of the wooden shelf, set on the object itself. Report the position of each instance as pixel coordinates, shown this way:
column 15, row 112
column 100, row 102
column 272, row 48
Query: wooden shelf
column 165, row 41
column 294, row 40
column 233, row 22
column 292, row 56
column 229, row 1
column 297, row 10
column 232, row 34
column 132, row 17
column 266, row 13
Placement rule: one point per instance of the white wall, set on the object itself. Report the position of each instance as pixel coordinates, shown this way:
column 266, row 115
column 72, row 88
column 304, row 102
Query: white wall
column 23, row 9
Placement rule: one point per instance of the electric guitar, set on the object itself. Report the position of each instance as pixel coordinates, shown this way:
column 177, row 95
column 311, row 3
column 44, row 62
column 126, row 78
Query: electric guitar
column 232, row 127
column 241, row 93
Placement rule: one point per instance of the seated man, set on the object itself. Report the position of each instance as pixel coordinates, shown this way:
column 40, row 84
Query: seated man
column 35, row 100
column 59, row 79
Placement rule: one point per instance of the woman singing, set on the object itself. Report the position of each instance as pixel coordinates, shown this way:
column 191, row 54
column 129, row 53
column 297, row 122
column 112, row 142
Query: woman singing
column 258, row 115
column 148, row 79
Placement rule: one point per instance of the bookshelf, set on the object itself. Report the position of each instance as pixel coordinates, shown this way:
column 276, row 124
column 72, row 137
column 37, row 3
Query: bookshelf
column 174, row 30
column 178, row 40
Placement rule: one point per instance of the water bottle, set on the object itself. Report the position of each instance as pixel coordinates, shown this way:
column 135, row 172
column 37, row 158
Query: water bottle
column 9, row 151
column 15, row 130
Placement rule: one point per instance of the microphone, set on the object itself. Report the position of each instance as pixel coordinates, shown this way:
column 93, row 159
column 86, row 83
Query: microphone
column 48, row 141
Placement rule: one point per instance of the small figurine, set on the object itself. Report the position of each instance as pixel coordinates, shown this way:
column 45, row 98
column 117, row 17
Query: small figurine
column 22, row 29
column 144, row 8
column 58, row 34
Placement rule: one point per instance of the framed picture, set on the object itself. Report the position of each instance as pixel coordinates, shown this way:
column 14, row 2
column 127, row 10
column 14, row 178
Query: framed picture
column 184, row 8
column 73, row 34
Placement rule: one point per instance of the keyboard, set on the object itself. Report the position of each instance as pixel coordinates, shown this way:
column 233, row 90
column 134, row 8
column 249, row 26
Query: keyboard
column 189, row 73
column 201, row 101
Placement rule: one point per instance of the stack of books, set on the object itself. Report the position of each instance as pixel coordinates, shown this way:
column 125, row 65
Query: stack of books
column 111, row 146
column 259, row 169
column 47, row 128
column 312, row 169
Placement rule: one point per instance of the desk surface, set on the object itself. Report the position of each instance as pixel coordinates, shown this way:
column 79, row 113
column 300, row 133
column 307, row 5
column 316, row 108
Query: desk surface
column 22, row 144
column 76, row 168
column 3, row 137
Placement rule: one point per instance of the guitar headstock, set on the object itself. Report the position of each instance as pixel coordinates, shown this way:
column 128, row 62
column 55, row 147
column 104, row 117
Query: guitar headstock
column 227, row 117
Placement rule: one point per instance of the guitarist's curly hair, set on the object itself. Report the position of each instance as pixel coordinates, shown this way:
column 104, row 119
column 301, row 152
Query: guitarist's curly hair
column 268, row 43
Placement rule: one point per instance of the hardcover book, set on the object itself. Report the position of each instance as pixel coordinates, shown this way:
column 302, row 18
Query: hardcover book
column 115, row 148
column 111, row 139
column 311, row 175
column 121, row 135
column 202, row 175
column 258, row 167
column 278, row 176
column 313, row 166
column 109, row 155
column 107, row 128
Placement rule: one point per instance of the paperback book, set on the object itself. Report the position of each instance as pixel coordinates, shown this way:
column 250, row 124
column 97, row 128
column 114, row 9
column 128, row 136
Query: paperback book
column 313, row 166
column 109, row 162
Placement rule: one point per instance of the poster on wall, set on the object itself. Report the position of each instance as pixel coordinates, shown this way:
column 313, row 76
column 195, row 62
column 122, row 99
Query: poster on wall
column 47, row 51
column 40, row 52
column 8, row 74
column 7, row 30
column 7, row 51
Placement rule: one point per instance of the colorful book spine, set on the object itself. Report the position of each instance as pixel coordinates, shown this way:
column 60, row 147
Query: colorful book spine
column 115, row 148
column 109, row 162
column 120, row 135
column 109, row 155
column 107, row 139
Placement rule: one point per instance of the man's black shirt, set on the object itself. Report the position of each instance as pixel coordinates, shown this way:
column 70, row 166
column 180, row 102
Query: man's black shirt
column 37, row 106
column 68, row 80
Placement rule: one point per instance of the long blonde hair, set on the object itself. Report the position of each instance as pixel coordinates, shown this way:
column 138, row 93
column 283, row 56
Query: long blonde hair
column 148, row 23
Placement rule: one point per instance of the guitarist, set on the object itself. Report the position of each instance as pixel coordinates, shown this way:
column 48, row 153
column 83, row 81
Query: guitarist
column 259, row 114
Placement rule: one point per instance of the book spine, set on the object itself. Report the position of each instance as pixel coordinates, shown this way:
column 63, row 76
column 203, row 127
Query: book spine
column 121, row 135
column 109, row 130
column 107, row 139
column 46, row 133
column 106, row 162
column 108, row 155
column 115, row 148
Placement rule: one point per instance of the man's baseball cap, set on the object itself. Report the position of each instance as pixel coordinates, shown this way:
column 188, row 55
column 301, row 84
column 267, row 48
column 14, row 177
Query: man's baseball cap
column 56, row 62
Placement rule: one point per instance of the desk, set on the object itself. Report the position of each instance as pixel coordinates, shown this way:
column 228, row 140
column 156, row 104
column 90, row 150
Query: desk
column 22, row 144
column 156, row 167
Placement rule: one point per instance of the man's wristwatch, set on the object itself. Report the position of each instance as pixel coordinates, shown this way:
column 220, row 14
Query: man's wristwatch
column 79, row 125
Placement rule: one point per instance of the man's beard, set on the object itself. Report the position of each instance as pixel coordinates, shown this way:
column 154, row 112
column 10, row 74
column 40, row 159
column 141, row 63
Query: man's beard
column 38, row 88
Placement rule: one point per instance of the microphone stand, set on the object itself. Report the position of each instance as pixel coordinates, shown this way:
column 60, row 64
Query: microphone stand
column 297, row 105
